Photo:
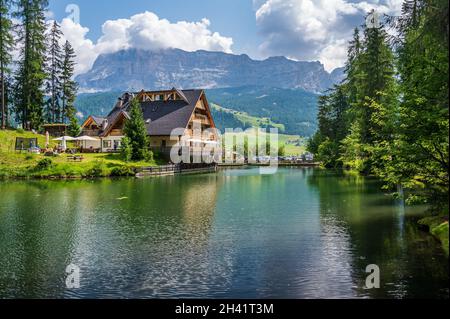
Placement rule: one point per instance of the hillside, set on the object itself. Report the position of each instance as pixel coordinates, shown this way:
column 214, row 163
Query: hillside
column 25, row 165
column 137, row 69
column 294, row 109
column 223, row 117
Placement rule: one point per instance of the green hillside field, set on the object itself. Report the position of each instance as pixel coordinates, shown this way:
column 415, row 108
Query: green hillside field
column 25, row 165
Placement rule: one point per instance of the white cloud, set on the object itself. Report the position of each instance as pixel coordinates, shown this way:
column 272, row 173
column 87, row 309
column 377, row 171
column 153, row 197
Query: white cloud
column 85, row 49
column 142, row 31
column 314, row 29
column 49, row 14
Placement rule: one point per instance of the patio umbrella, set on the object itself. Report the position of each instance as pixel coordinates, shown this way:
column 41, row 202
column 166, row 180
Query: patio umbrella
column 47, row 139
column 63, row 140
column 85, row 139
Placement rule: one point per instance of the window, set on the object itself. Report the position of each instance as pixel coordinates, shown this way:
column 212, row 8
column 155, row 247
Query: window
column 163, row 144
column 106, row 144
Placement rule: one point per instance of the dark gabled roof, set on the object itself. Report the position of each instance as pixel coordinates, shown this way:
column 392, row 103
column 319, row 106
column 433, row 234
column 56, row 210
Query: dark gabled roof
column 112, row 118
column 162, row 117
column 98, row 120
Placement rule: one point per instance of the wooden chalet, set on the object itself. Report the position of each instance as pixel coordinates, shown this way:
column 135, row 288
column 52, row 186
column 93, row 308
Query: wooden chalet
column 163, row 112
column 56, row 130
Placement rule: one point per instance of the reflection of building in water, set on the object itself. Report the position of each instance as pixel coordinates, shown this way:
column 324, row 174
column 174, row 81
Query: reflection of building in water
column 183, row 262
column 199, row 203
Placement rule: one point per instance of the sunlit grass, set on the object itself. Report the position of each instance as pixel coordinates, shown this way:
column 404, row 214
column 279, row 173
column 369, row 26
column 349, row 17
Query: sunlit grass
column 23, row 164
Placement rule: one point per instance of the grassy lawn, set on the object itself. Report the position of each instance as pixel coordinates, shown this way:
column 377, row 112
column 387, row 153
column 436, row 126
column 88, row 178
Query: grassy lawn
column 15, row 164
column 294, row 144
column 251, row 120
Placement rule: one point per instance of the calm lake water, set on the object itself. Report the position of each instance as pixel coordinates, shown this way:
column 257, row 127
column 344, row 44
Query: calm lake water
column 301, row 233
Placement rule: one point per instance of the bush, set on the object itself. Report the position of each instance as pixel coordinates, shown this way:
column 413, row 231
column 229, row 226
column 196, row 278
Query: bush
column 98, row 170
column 149, row 156
column 328, row 153
column 44, row 164
column 20, row 130
column 124, row 170
column 125, row 149
column 282, row 150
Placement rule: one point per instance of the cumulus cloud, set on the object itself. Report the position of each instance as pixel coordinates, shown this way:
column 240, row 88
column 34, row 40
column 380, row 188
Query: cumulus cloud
column 314, row 29
column 142, row 31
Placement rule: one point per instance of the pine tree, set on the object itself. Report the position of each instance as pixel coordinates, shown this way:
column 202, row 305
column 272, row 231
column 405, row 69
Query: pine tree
column 74, row 128
column 6, row 46
column 377, row 76
column 136, row 132
column 333, row 126
column 30, row 76
column 353, row 72
column 69, row 86
column 54, row 69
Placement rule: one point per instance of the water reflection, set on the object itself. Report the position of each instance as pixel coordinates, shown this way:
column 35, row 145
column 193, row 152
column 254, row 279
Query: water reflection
column 381, row 231
column 301, row 233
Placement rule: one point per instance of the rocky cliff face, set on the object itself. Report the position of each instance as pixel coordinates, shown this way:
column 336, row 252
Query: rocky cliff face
column 138, row 69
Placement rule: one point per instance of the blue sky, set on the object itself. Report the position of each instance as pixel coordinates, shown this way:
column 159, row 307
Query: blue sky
column 234, row 18
column 309, row 30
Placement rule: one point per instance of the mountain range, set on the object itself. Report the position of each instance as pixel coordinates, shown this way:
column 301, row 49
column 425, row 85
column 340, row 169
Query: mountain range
column 135, row 69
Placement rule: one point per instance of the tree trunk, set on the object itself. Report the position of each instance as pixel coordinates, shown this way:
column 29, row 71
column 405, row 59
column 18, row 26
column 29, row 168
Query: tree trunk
column 2, row 76
column 3, row 98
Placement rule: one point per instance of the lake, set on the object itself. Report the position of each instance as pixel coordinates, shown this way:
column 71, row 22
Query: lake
column 300, row 233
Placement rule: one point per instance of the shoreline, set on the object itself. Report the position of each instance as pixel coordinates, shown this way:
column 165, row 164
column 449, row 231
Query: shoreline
column 436, row 226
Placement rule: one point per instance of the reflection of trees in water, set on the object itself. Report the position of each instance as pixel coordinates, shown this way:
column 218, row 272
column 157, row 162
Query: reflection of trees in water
column 410, row 262
column 38, row 230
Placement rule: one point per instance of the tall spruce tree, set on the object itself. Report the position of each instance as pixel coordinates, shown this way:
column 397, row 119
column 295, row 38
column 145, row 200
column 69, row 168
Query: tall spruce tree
column 376, row 69
column 6, row 46
column 54, row 70
column 68, row 85
column 136, row 132
column 30, row 75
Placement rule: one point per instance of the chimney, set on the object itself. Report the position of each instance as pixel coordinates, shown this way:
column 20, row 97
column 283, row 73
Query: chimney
column 119, row 103
column 104, row 124
column 125, row 98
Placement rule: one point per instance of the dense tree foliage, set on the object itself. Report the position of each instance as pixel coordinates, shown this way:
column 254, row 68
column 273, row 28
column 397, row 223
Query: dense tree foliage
column 42, row 88
column 30, row 76
column 136, row 133
column 390, row 115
